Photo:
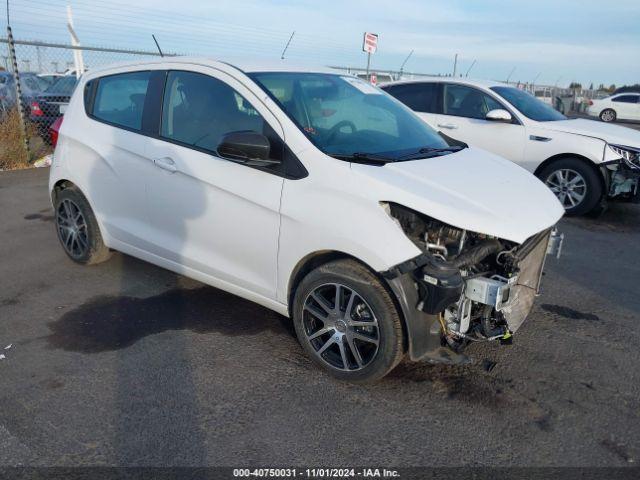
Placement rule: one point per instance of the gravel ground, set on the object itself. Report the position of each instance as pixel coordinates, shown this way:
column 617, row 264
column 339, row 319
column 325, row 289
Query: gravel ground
column 127, row 364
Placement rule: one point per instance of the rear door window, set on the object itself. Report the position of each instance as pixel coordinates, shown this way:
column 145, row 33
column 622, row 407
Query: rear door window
column 420, row 97
column 120, row 99
column 626, row 99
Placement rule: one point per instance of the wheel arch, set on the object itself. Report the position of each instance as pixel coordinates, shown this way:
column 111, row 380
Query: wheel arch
column 585, row 160
column 63, row 184
column 319, row 258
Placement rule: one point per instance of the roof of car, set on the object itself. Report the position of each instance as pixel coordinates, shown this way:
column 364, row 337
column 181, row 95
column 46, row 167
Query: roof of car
column 244, row 65
column 463, row 81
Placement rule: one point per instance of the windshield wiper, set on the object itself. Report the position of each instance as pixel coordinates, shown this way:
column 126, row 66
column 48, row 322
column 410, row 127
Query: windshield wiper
column 361, row 157
column 428, row 152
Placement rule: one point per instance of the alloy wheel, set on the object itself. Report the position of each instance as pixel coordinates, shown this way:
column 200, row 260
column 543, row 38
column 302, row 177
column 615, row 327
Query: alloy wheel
column 607, row 116
column 72, row 228
column 341, row 327
column 569, row 186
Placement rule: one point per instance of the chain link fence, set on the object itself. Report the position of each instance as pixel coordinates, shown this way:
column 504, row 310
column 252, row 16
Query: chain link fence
column 47, row 76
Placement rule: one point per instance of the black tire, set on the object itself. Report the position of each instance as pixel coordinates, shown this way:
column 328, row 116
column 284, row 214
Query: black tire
column 376, row 300
column 593, row 183
column 608, row 115
column 95, row 251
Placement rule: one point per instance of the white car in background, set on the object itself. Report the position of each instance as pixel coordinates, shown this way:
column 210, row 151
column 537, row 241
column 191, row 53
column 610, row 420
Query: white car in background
column 623, row 106
column 311, row 193
column 582, row 161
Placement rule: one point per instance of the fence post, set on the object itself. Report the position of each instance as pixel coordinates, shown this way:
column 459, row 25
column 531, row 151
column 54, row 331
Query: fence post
column 16, row 78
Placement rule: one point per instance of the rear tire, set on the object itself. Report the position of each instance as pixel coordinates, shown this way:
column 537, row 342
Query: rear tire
column 577, row 185
column 608, row 115
column 361, row 340
column 78, row 229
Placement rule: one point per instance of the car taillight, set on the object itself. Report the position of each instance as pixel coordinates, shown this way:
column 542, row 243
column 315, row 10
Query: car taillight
column 54, row 130
column 36, row 110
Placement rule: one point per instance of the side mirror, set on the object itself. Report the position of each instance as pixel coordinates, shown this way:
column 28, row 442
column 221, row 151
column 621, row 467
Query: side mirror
column 499, row 115
column 247, row 147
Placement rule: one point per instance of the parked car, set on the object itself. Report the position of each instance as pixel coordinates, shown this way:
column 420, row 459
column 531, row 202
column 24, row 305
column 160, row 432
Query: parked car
column 625, row 106
column 31, row 86
column 50, row 78
column 47, row 107
column 583, row 162
column 311, row 193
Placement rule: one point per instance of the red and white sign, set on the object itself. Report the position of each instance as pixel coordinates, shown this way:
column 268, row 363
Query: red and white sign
column 370, row 43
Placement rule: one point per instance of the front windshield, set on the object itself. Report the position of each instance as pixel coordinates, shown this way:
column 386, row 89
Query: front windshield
column 529, row 105
column 63, row 86
column 343, row 115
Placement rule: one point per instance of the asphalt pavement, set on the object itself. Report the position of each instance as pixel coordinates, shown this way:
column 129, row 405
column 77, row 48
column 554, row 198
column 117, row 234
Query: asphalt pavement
column 127, row 364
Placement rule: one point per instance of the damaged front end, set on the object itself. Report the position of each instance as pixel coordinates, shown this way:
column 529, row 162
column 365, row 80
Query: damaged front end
column 465, row 287
column 623, row 172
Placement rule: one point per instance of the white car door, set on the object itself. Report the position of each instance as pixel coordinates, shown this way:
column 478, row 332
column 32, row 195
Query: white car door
column 113, row 168
column 463, row 118
column 626, row 106
column 208, row 213
column 421, row 97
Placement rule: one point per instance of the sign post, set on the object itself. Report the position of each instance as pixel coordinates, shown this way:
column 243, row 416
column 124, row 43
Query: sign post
column 369, row 45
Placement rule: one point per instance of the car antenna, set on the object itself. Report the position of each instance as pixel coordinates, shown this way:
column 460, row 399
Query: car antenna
column 157, row 45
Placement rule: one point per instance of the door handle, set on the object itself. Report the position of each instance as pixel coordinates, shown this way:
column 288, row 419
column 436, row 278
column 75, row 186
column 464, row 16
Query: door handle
column 450, row 126
column 165, row 163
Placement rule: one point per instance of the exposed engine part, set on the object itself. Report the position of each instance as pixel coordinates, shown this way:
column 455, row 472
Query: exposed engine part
column 477, row 254
column 480, row 287
column 622, row 184
column 494, row 291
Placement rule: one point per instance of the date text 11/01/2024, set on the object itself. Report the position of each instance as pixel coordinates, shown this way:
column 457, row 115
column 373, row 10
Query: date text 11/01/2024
column 316, row 472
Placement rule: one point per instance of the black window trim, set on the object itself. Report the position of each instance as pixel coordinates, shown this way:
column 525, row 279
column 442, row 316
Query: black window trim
column 436, row 104
column 514, row 118
column 626, row 94
column 291, row 168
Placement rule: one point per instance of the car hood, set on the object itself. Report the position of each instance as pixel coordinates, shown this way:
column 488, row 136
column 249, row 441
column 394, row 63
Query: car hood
column 471, row 189
column 604, row 131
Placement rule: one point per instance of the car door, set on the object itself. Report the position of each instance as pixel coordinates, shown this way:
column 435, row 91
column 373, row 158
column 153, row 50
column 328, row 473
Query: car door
column 626, row 106
column 207, row 213
column 463, row 115
column 113, row 168
column 421, row 97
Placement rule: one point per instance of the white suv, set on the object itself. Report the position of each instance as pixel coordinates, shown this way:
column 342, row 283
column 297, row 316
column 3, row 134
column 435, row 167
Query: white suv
column 582, row 161
column 311, row 193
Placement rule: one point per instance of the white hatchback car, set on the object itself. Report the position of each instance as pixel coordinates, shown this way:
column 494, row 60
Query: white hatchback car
column 623, row 106
column 583, row 162
column 311, row 193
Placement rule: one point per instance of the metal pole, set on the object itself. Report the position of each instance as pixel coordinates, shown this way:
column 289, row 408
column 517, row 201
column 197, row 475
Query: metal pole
column 455, row 65
column 467, row 74
column 368, row 65
column 16, row 79
column 287, row 45
column 512, row 70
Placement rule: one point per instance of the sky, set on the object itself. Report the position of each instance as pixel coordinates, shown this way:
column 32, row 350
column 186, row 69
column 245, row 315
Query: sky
column 554, row 41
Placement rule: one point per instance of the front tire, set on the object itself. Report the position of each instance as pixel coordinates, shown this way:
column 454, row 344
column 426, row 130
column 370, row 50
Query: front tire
column 608, row 115
column 78, row 229
column 347, row 322
column 576, row 185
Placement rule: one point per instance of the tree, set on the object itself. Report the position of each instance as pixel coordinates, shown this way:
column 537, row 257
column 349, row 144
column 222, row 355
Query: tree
column 591, row 86
column 612, row 87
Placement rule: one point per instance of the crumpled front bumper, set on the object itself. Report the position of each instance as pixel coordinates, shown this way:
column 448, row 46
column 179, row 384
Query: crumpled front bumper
column 424, row 336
